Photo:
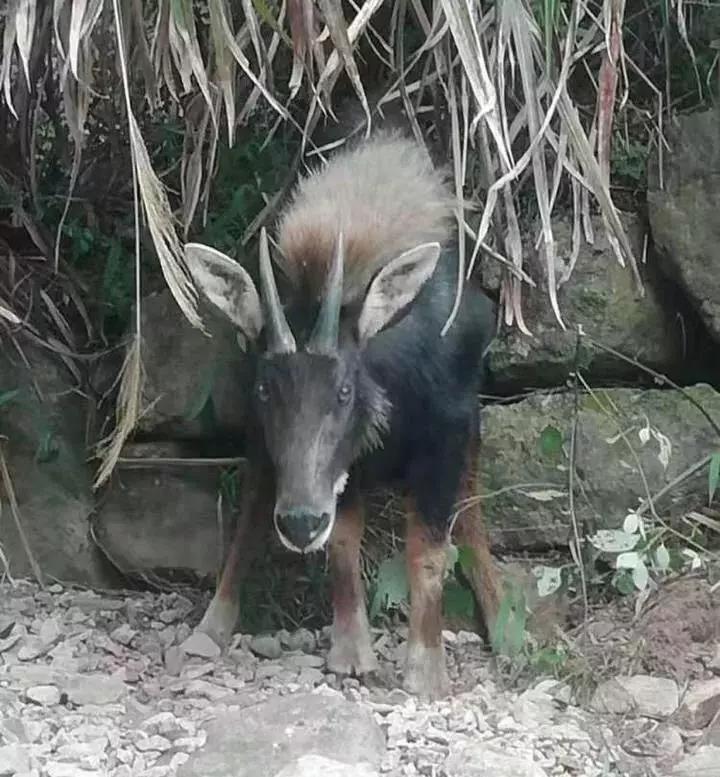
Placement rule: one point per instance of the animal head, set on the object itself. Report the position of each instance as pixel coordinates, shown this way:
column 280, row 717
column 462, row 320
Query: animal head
column 318, row 407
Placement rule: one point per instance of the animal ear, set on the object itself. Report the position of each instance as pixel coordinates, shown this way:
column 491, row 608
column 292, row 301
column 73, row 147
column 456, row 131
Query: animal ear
column 226, row 285
column 395, row 288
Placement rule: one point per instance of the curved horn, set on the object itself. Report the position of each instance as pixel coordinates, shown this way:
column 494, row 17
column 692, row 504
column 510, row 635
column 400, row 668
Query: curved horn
column 324, row 338
column 280, row 338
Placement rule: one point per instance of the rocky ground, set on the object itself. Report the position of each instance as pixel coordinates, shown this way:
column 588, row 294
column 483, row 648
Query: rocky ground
column 118, row 684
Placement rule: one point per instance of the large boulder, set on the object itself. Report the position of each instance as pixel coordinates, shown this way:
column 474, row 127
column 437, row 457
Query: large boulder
column 195, row 384
column 601, row 296
column 42, row 419
column 683, row 210
column 263, row 740
column 160, row 520
column 524, row 460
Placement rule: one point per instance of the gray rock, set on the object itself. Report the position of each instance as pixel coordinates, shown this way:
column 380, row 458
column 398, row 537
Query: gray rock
column 260, row 741
column 45, row 695
column 528, row 443
column 47, row 462
column 714, row 664
column 601, row 296
column 700, row 704
column 653, row 697
column 50, row 631
column 612, row 697
column 144, row 532
column 94, row 689
column 482, row 760
column 123, row 634
column 705, row 762
column 302, row 639
column 683, row 213
column 194, row 383
column 318, row 766
column 13, row 759
column 266, row 646
column 200, row 644
column 153, row 743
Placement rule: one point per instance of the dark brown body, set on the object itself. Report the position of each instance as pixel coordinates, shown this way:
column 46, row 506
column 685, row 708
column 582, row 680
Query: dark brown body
column 407, row 417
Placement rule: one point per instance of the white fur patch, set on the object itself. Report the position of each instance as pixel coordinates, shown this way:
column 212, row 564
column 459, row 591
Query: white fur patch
column 340, row 484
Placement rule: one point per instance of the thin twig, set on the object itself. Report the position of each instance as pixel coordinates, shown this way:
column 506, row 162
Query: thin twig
column 15, row 510
column 148, row 462
column 571, row 480
column 663, row 379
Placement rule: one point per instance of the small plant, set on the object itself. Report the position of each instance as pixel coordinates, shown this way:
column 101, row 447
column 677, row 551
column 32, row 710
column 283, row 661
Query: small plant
column 629, row 160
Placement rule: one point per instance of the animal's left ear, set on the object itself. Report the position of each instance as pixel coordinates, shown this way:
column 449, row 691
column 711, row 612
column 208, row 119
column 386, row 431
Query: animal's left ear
column 396, row 287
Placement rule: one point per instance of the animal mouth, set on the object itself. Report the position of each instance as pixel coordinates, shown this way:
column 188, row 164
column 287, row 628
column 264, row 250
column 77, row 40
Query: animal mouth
column 317, row 537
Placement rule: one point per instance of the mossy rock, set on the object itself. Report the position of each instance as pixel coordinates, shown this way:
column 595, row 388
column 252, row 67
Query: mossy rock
column 600, row 296
column 525, row 452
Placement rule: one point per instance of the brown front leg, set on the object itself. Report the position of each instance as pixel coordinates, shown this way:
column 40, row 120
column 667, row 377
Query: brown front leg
column 351, row 649
column 425, row 670
column 252, row 528
column 470, row 530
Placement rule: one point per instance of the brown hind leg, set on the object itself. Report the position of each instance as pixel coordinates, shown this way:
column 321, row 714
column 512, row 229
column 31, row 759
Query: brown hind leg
column 253, row 525
column 425, row 668
column 470, row 531
column 351, row 649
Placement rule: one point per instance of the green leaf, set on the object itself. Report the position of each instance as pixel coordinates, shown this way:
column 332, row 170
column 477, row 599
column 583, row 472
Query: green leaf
column 623, row 582
column 613, row 540
column 551, row 441
column 509, row 633
column 713, row 476
column 7, row 396
column 466, row 559
column 392, row 585
column 458, row 600
column 549, row 579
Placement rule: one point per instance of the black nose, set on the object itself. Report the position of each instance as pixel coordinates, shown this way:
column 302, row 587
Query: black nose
column 302, row 527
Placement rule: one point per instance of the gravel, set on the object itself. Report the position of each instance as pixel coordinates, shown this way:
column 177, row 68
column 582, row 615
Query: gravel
column 120, row 686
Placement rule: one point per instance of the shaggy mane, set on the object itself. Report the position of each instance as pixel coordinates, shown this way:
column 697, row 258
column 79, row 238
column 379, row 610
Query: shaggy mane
column 385, row 196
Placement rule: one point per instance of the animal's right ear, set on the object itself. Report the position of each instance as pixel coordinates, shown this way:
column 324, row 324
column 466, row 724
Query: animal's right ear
column 227, row 286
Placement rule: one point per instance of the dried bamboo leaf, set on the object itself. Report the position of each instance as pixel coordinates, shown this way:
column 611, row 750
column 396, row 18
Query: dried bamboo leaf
column 332, row 12
column 8, row 315
column 185, row 47
column 522, row 27
column 127, row 412
column 9, row 40
column 583, row 151
column 466, row 36
column 24, row 32
column 224, row 31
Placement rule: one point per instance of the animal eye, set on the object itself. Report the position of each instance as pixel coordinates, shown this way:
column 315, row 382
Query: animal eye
column 344, row 393
column 263, row 392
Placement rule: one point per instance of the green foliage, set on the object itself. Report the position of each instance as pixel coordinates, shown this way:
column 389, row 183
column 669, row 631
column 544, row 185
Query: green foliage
column 6, row 397
column 551, row 441
column 391, row 587
column 629, row 160
column 508, row 634
column 246, row 172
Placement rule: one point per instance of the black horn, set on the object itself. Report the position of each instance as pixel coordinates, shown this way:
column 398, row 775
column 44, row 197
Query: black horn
column 280, row 338
column 324, row 338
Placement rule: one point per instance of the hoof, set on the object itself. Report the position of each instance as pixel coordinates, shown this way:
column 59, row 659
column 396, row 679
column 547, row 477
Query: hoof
column 425, row 673
column 219, row 620
column 351, row 655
